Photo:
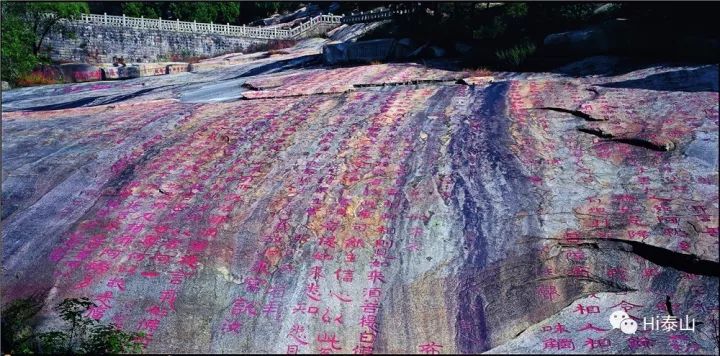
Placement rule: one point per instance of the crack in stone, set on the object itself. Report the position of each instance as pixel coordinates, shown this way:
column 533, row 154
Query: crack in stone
column 577, row 113
column 662, row 257
column 410, row 82
column 638, row 142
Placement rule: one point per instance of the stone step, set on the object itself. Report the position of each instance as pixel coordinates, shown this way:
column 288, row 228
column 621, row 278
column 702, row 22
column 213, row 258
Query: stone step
column 110, row 72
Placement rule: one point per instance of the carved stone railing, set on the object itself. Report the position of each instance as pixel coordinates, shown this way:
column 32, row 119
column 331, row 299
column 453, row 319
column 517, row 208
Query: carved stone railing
column 371, row 16
column 206, row 28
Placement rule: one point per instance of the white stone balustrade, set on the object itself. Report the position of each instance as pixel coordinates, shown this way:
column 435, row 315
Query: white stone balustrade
column 195, row 27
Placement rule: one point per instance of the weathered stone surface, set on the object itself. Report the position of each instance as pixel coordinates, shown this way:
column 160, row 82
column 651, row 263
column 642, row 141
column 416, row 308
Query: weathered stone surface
column 412, row 213
column 350, row 33
column 5, row 85
column 341, row 80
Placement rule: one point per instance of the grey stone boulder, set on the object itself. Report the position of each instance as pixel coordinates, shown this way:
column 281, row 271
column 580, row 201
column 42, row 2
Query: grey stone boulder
column 310, row 10
column 463, row 48
column 5, row 85
column 334, row 7
column 355, row 31
column 407, row 42
column 335, row 52
column 437, row 51
column 365, row 51
column 131, row 71
column 605, row 38
column 606, row 9
column 80, row 72
column 110, row 72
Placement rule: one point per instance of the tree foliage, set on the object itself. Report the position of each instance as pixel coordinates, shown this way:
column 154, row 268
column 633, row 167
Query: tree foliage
column 17, row 52
column 25, row 26
column 506, row 35
column 81, row 335
column 44, row 17
column 221, row 12
column 140, row 9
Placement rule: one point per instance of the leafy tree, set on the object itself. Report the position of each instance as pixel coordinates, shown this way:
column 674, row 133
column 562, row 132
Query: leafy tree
column 198, row 11
column 44, row 17
column 232, row 12
column 81, row 335
column 217, row 12
column 17, row 52
column 270, row 7
column 25, row 26
column 140, row 9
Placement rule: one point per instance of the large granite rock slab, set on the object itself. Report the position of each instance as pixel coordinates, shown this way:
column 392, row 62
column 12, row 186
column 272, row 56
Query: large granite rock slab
column 415, row 213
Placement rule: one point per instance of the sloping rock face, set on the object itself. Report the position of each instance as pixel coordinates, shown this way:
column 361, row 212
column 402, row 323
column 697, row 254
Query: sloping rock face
column 350, row 33
column 324, row 210
column 364, row 51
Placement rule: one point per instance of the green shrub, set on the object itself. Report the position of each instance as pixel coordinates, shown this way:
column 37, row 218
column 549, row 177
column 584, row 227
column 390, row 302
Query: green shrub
column 493, row 30
column 516, row 55
column 576, row 13
column 81, row 335
column 517, row 9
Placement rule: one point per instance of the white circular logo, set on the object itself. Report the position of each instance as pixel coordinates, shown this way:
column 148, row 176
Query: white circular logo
column 628, row 326
column 617, row 317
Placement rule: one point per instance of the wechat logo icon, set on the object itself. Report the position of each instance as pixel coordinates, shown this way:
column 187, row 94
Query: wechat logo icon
column 621, row 320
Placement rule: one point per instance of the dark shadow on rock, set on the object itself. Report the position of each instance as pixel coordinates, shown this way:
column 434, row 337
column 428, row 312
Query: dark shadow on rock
column 123, row 97
column 695, row 80
column 282, row 65
column 59, row 106
column 90, row 101
column 604, row 66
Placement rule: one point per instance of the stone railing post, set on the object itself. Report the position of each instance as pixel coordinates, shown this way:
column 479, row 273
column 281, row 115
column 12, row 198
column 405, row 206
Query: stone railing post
column 123, row 20
column 105, row 18
column 211, row 27
column 194, row 26
column 159, row 22
column 142, row 22
column 177, row 26
column 227, row 28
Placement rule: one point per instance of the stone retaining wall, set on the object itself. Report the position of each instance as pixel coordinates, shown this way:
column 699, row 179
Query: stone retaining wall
column 93, row 43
